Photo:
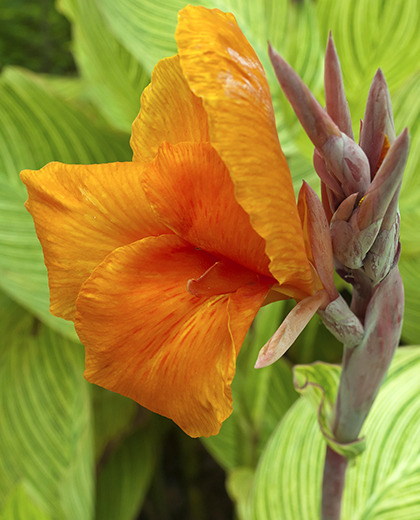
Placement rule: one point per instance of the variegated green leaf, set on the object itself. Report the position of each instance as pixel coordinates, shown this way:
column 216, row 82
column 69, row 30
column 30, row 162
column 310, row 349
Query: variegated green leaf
column 125, row 476
column 45, row 431
column 381, row 483
column 114, row 78
column 36, row 128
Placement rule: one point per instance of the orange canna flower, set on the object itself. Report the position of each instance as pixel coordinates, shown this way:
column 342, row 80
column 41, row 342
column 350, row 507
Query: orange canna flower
column 162, row 263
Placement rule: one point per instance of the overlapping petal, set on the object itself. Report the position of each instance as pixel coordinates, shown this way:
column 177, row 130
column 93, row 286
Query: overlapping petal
column 81, row 214
column 191, row 190
column 149, row 339
column 163, row 263
column 222, row 68
column 170, row 112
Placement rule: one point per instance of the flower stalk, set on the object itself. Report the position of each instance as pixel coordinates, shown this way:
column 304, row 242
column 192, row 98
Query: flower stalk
column 360, row 188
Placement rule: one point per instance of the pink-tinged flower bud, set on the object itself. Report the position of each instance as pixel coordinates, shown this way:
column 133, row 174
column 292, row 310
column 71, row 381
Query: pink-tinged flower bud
column 369, row 237
column 337, row 106
column 329, row 180
column 347, row 162
column 317, row 123
column 385, row 251
column 342, row 322
column 378, row 122
column 386, row 183
column 350, row 244
column 344, row 159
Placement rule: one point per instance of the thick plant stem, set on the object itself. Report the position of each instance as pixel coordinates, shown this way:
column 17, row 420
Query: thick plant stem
column 333, row 484
column 363, row 369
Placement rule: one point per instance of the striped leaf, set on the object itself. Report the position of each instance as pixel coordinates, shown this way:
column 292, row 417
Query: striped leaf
column 23, row 274
column 369, row 35
column 113, row 77
column 23, row 505
column 45, row 431
column 113, row 417
column 406, row 103
column 36, row 128
column 125, row 476
column 381, row 484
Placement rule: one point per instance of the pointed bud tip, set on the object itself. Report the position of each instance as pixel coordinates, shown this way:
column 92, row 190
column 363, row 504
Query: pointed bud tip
column 379, row 74
column 265, row 357
column 280, row 64
column 379, row 81
column 402, row 141
column 260, row 363
column 330, row 44
column 271, row 50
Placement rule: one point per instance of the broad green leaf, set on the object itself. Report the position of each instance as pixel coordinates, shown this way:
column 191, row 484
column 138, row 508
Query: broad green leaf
column 239, row 486
column 125, row 476
column 260, row 398
column 71, row 89
column 36, row 128
column 13, row 321
column 114, row 78
column 68, row 88
column 148, row 30
column 45, row 431
column 369, row 35
column 23, row 274
column 23, row 504
column 406, row 105
column 381, row 483
column 410, row 272
column 406, row 102
column 113, row 417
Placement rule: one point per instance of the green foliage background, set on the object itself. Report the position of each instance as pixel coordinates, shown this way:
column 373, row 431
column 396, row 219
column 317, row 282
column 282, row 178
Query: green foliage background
column 69, row 450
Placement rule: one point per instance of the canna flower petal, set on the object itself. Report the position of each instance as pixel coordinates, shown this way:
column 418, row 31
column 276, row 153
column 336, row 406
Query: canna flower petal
column 222, row 68
column 170, row 112
column 163, row 263
column 149, row 339
column 81, row 214
column 190, row 188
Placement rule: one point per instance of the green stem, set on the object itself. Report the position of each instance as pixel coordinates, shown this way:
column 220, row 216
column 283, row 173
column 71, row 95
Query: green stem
column 333, row 484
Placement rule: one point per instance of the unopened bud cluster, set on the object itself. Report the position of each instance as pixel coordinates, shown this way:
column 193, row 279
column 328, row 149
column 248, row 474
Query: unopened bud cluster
column 360, row 182
column 360, row 185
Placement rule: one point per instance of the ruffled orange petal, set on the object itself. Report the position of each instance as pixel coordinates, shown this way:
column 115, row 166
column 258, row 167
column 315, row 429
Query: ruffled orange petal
column 191, row 190
column 148, row 338
column 222, row 68
column 81, row 214
column 169, row 112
